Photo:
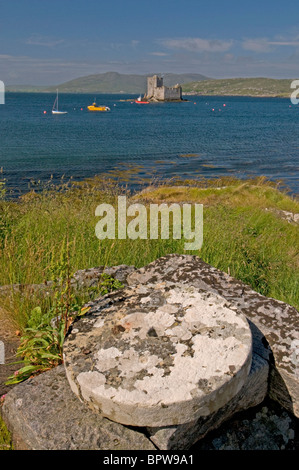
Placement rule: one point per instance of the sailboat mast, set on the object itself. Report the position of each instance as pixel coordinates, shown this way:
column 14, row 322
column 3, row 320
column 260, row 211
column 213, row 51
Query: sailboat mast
column 55, row 109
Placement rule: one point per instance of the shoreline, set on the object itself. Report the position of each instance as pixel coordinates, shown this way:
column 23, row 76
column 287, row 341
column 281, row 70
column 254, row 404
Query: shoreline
column 226, row 95
column 217, row 182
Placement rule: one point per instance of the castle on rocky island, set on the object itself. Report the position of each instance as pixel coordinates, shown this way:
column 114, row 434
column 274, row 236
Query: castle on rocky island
column 156, row 91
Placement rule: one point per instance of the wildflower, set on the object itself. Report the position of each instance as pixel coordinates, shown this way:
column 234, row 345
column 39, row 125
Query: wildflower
column 2, row 399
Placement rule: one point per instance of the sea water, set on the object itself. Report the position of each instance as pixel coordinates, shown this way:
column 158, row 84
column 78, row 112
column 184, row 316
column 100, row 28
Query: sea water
column 202, row 137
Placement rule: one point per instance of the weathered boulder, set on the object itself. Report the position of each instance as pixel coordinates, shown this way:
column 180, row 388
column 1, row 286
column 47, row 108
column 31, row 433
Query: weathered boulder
column 159, row 355
column 276, row 320
column 44, row 414
column 264, row 427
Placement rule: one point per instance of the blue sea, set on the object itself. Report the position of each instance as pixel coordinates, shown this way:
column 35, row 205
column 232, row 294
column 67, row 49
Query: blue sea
column 203, row 137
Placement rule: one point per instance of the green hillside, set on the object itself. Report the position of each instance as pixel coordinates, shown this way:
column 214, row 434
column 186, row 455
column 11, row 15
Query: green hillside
column 192, row 84
column 113, row 82
column 240, row 87
column 24, row 88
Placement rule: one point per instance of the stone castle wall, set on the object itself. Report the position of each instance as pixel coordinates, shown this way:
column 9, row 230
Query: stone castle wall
column 156, row 91
column 152, row 84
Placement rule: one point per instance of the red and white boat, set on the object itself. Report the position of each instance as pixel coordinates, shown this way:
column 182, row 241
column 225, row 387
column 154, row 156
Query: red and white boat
column 140, row 101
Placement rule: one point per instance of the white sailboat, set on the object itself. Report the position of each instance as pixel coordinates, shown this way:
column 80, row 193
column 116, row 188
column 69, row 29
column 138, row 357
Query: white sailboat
column 55, row 109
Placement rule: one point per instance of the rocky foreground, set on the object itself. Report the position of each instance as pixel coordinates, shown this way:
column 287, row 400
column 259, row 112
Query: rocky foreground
column 257, row 409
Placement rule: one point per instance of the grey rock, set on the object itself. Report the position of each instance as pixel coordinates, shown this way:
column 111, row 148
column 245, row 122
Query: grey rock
column 290, row 217
column 265, row 427
column 81, row 279
column 86, row 278
column 43, row 414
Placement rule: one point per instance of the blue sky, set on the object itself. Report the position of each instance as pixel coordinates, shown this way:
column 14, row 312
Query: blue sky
column 46, row 42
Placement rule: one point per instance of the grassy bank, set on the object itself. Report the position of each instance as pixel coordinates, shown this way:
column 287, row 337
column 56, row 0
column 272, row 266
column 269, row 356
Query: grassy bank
column 244, row 235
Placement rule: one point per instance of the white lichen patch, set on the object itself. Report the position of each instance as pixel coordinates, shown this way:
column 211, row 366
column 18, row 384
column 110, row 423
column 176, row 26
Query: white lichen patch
column 161, row 356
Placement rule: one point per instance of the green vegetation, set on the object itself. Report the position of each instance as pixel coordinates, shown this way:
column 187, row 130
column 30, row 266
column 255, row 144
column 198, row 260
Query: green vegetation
column 25, row 88
column 41, row 346
column 245, row 236
column 5, row 438
column 240, row 236
column 113, row 82
column 268, row 87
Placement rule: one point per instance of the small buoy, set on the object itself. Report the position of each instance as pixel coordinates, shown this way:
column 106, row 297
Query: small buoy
column 213, row 109
column 194, row 103
column 45, row 112
column 224, row 105
column 81, row 109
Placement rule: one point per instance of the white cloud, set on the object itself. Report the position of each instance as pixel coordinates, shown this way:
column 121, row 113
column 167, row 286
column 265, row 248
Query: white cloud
column 45, row 41
column 256, row 45
column 135, row 42
column 268, row 45
column 284, row 43
column 158, row 54
column 197, row 44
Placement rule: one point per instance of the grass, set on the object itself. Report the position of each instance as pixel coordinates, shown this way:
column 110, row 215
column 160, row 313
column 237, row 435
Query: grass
column 244, row 234
column 241, row 237
column 241, row 87
column 5, row 438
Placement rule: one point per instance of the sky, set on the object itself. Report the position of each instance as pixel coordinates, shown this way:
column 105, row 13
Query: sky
column 46, row 42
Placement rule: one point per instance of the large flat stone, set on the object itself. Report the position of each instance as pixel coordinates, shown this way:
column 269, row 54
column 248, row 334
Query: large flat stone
column 44, row 414
column 278, row 321
column 153, row 356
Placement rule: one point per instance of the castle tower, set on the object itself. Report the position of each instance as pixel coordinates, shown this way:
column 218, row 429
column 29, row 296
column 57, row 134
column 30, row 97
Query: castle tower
column 153, row 83
column 156, row 91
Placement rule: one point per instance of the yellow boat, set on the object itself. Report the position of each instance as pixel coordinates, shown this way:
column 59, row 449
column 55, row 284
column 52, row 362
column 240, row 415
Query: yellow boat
column 94, row 107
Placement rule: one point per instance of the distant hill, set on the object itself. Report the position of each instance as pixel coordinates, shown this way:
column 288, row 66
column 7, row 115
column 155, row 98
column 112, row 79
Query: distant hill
column 113, row 82
column 24, row 88
column 192, row 84
column 240, row 87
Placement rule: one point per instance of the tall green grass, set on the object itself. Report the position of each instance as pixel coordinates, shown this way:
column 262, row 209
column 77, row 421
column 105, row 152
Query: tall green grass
column 240, row 237
column 5, row 437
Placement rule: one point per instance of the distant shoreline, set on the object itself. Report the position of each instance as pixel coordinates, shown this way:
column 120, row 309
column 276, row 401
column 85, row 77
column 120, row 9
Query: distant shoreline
column 286, row 96
column 192, row 85
column 237, row 95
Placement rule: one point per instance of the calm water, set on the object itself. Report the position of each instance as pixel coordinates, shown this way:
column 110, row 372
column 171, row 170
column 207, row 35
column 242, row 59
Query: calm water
column 198, row 138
